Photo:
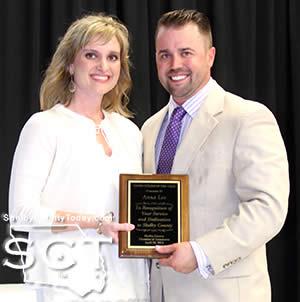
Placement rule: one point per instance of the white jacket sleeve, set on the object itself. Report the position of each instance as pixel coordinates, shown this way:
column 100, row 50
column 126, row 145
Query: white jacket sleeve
column 31, row 167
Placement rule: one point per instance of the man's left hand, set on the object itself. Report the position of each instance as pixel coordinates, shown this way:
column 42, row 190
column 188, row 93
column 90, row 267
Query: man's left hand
column 181, row 257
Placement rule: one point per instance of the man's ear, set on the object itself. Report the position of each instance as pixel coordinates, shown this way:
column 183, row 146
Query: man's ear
column 211, row 55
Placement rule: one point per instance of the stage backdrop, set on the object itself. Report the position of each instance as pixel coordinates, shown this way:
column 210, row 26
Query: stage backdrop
column 257, row 57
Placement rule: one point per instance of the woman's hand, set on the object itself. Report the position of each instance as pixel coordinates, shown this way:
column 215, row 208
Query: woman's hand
column 111, row 229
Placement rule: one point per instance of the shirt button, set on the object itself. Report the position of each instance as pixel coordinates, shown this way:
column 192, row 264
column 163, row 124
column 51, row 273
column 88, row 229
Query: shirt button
column 157, row 265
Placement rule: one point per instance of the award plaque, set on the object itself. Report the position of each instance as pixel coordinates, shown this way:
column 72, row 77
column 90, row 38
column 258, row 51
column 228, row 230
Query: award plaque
column 157, row 204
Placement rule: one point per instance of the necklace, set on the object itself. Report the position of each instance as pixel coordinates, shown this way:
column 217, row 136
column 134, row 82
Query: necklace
column 98, row 129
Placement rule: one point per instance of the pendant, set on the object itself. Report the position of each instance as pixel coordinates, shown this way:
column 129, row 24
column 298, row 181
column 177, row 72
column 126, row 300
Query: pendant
column 98, row 129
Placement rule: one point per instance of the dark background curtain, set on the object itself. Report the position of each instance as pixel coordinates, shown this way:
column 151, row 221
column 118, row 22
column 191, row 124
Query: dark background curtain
column 257, row 57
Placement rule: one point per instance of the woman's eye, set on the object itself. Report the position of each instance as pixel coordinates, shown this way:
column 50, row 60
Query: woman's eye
column 113, row 58
column 90, row 55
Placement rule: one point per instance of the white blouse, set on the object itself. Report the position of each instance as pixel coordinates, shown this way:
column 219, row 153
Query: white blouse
column 59, row 165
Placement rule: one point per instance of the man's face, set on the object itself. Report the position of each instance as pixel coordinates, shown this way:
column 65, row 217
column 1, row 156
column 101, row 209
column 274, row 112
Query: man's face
column 183, row 60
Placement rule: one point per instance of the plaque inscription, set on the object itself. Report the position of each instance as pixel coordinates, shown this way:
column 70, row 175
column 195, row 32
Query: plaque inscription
column 157, row 206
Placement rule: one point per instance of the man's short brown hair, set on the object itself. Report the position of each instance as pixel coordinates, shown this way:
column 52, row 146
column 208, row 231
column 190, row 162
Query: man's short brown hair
column 181, row 17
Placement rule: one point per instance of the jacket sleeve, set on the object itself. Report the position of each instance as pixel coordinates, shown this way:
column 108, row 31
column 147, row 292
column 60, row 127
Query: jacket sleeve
column 31, row 167
column 260, row 169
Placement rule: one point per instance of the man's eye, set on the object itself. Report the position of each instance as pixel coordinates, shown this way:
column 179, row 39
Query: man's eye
column 186, row 54
column 90, row 55
column 164, row 56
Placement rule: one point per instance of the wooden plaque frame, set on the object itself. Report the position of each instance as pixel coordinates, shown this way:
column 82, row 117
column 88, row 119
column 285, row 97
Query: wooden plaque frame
column 160, row 204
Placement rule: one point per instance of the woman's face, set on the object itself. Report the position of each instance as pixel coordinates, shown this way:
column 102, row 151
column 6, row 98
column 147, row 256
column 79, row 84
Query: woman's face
column 96, row 68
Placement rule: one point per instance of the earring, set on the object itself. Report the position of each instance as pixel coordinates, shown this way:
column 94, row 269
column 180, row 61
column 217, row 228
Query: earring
column 71, row 86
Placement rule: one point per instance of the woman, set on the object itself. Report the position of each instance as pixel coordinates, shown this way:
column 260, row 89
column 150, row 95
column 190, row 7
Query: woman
column 66, row 168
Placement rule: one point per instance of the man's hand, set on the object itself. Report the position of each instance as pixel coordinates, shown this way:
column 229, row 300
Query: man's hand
column 181, row 257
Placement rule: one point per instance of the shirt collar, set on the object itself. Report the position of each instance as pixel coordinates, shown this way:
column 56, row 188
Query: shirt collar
column 192, row 105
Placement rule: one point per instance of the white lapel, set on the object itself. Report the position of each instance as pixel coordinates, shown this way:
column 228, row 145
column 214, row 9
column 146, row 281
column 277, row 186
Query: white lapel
column 200, row 129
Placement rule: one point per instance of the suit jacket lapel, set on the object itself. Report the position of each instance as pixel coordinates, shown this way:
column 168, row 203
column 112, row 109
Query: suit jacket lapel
column 200, row 129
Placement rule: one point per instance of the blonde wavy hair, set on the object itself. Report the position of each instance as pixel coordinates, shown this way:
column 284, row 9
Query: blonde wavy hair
column 54, row 88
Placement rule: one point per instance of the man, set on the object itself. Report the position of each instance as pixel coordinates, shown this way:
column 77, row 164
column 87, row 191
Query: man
column 235, row 157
